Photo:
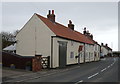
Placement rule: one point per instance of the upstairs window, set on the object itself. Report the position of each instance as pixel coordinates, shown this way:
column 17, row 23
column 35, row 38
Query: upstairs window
column 71, row 54
column 72, row 43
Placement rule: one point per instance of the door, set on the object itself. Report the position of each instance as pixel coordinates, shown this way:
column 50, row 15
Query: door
column 62, row 54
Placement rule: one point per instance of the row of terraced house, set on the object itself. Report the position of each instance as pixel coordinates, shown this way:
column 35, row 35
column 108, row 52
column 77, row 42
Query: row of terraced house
column 42, row 36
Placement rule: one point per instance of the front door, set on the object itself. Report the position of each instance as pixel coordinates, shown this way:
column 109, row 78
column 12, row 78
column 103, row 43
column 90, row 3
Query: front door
column 62, row 54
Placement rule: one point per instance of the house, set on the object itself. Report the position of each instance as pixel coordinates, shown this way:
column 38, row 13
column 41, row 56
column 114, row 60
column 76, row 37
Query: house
column 11, row 48
column 96, row 49
column 105, row 50
column 109, row 50
column 46, row 37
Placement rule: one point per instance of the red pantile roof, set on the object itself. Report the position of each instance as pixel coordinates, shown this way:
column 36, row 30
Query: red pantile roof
column 108, row 48
column 65, row 32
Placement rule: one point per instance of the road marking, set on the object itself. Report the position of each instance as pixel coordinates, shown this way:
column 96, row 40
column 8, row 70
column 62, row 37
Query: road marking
column 103, row 69
column 114, row 59
column 111, row 64
column 93, row 75
column 79, row 82
column 108, row 66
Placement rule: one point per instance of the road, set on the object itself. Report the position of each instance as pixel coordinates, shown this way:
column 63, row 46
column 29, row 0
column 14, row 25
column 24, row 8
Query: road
column 105, row 70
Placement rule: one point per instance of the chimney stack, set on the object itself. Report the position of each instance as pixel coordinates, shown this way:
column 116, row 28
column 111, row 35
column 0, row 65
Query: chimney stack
column 87, row 33
column 49, row 13
column 50, row 16
column 91, row 36
column 106, row 45
column 70, row 25
column 102, row 44
column 84, row 32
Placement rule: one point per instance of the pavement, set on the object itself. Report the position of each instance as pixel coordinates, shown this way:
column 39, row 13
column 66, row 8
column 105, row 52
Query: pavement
column 105, row 70
column 18, row 75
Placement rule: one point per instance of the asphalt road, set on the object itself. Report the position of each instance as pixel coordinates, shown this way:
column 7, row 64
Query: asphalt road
column 105, row 70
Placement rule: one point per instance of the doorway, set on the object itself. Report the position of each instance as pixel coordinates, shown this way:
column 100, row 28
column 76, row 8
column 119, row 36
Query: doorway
column 62, row 54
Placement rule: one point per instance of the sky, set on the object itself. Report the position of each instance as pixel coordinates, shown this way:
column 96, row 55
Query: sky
column 100, row 18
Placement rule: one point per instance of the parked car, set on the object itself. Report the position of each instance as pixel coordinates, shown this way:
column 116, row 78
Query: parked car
column 102, row 55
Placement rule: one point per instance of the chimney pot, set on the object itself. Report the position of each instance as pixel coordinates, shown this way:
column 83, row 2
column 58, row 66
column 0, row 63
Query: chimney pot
column 87, row 31
column 84, row 32
column 91, row 36
column 49, row 12
column 70, row 22
column 70, row 25
column 53, row 12
column 50, row 16
column 84, row 28
column 102, row 44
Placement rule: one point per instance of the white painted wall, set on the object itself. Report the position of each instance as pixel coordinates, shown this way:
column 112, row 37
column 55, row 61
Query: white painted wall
column 34, row 38
column 26, row 39
column 70, row 48
column 110, row 51
column 89, row 53
column 104, row 50
column 97, row 51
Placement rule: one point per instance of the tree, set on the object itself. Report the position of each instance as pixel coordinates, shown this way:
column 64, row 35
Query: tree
column 8, row 38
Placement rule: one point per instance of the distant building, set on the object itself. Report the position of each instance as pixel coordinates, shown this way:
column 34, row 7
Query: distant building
column 96, row 49
column 105, row 50
column 11, row 48
column 46, row 37
column 116, row 53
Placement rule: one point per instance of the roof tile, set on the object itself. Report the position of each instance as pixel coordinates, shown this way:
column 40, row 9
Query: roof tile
column 63, row 31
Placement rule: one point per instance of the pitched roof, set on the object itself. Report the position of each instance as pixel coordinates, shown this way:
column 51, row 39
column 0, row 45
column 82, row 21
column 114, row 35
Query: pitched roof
column 108, row 48
column 65, row 32
column 11, row 47
column 95, row 42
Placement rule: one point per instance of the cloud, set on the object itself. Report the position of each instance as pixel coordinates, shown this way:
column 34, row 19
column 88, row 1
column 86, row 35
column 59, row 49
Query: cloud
column 98, row 17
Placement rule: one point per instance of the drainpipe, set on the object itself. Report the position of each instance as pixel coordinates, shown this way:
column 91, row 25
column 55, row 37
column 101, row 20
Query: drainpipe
column 84, row 52
column 51, row 52
column 78, row 58
column 35, row 41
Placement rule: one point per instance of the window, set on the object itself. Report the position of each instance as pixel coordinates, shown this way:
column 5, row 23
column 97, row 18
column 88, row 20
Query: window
column 72, row 43
column 71, row 54
column 95, row 47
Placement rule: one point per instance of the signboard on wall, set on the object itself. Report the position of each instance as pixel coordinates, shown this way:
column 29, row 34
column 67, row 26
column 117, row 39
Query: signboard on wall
column 80, row 48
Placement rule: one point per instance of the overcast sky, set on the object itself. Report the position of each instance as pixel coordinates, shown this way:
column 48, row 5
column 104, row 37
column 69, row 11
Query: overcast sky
column 100, row 18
